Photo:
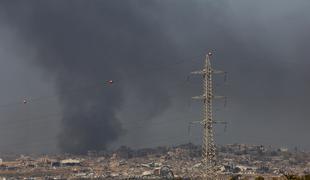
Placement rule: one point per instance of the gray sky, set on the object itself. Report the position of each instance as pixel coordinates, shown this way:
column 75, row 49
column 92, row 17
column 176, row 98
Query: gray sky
column 53, row 47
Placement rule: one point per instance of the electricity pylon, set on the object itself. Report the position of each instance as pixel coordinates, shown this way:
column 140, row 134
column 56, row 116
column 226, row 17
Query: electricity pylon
column 209, row 160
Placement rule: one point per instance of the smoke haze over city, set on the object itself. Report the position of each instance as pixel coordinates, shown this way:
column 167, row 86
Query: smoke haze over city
column 66, row 52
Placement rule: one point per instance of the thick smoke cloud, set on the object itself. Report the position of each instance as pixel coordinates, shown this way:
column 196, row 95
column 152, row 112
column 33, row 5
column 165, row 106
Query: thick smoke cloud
column 84, row 43
column 137, row 43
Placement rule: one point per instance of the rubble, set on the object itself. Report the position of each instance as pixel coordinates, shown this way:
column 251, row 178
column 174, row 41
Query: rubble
column 183, row 161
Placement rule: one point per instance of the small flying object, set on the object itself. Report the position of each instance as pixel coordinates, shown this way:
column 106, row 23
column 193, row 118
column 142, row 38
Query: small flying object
column 25, row 101
column 210, row 54
column 110, row 81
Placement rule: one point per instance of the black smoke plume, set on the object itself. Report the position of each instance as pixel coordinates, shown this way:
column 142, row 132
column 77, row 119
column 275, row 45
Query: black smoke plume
column 81, row 43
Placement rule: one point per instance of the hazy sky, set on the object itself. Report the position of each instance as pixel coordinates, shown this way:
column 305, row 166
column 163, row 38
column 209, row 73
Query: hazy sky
column 58, row 50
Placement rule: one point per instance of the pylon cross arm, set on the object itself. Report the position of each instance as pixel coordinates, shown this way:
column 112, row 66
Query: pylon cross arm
column 220, row 122
column 204, row 97
column 218, row 71
column 219, row 97
column 199, row 72
column 199, row 97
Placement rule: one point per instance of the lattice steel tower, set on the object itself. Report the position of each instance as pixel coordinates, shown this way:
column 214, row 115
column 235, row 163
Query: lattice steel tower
column 208, row 146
